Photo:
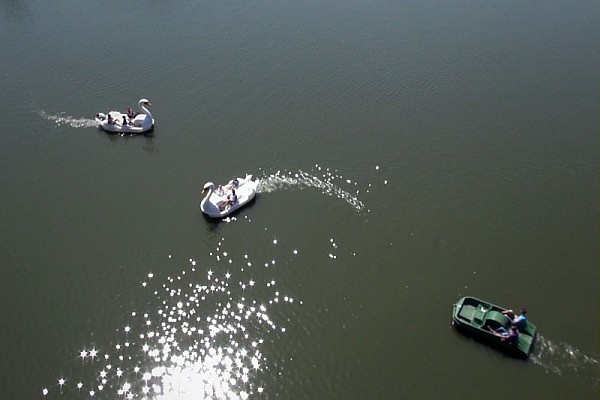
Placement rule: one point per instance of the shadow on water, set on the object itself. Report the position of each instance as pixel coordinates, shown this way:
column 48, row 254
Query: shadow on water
column 147, row 134
column 148, row 146
column 17, row 9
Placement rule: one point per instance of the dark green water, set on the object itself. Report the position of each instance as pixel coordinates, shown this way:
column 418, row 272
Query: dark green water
column 410, row 153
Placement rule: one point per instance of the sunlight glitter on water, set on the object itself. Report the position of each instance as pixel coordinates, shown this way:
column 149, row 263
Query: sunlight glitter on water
column 204, row 341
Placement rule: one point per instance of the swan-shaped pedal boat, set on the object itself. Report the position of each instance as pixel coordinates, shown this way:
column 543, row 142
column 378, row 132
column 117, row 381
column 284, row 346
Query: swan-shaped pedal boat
column 130, row 122
column 219, row 202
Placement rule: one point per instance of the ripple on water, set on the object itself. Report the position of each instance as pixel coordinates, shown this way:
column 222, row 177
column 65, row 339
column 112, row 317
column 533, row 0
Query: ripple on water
column 204, row 339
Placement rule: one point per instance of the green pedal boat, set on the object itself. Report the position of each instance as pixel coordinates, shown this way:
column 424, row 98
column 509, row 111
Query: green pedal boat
column 477, row 318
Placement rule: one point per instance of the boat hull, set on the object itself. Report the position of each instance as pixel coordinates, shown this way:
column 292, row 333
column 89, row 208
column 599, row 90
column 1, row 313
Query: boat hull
column 474, row 317
column 246, row 192
column 135, row 125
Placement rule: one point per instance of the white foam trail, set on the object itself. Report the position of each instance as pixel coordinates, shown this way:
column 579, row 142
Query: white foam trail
column 325, row 184
column 63, row 119
column 561, row 358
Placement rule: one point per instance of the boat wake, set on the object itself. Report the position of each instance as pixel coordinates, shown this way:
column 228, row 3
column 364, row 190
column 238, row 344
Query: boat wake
column 561, row 358
column 62, row 119
column 204, row 338
column 324, row 183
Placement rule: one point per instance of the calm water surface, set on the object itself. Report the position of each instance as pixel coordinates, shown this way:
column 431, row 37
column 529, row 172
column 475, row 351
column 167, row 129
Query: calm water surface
column 409, row 153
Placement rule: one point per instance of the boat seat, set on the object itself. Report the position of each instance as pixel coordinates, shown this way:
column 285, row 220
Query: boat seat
column 479, row 314
column 496, row 318
column 467, row 312
column 139, row 120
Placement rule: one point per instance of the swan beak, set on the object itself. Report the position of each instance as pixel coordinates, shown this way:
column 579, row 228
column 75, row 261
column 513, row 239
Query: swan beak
column 148, row 103
column 203, row 191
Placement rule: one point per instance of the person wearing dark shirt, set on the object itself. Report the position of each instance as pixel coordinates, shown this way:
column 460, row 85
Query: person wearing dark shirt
column 510, row 336
column 231, row 200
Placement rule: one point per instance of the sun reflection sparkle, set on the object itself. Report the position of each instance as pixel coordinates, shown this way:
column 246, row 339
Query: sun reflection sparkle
column 204, row 340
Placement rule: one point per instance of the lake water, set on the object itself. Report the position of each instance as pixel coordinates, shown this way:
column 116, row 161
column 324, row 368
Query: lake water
column 409, row 153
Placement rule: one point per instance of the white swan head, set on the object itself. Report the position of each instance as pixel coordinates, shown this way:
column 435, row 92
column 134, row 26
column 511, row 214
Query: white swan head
column 208, row 186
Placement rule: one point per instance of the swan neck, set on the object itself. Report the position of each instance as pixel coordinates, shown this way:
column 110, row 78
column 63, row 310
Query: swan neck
column 144, row 109
column 209, row 193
